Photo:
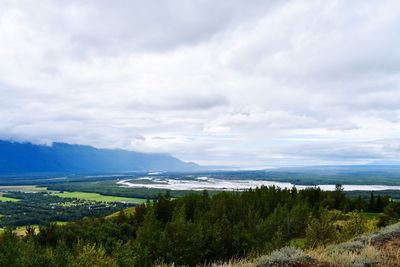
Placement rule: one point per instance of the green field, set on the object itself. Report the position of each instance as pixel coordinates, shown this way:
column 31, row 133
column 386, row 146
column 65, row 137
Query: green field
column 8, row 199
column 22, row 188
column 98, row 197
column 3, row 198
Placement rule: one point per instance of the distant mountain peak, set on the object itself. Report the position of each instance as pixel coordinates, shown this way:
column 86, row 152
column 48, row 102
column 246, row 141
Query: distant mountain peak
column 16, row 157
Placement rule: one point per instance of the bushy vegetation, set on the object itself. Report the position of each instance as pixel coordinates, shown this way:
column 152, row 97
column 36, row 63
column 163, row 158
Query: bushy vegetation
column 379, row 248
column 287, row 256
column 194, row 229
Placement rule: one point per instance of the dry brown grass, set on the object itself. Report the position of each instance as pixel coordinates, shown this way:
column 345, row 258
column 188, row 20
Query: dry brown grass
column 338, row 257
column 391, row 253
column 237, row 263
column 230, row 263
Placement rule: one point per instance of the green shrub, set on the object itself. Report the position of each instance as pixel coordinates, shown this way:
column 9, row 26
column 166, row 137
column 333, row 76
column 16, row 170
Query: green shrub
column 321, row 231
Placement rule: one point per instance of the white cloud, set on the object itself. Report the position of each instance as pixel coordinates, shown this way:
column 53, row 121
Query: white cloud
column 255, row 83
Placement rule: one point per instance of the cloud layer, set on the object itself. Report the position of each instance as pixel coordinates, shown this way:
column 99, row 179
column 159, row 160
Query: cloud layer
column 243, row 83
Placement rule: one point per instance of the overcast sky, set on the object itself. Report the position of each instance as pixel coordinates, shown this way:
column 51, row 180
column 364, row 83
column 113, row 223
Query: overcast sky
column 241, row 83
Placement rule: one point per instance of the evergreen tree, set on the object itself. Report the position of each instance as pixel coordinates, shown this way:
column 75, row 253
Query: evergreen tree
column 379, row 204
column 339, row 196
column 371, row 205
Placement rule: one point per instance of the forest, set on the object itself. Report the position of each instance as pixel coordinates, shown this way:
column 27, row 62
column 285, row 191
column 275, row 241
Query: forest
column 201, row 228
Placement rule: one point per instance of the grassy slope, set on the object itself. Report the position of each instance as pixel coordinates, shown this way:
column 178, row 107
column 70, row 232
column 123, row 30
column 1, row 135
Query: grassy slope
column 128, row 211
column 380, row 248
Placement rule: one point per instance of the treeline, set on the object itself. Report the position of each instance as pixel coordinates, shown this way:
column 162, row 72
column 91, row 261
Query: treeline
column 197, row 229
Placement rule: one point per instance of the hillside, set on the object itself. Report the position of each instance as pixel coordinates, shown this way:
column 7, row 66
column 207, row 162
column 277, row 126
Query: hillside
column 380, row 248
column 198, row 229
column 61, row 157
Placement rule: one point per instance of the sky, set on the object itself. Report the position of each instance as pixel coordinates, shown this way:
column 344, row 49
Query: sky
column 250, row 84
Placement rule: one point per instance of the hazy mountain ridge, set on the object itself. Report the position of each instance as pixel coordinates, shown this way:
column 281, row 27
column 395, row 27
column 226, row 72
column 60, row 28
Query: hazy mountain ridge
column 61, row 157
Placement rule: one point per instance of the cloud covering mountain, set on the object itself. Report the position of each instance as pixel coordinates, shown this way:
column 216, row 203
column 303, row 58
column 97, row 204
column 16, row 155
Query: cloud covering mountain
column 65, row 158
column 245, row 83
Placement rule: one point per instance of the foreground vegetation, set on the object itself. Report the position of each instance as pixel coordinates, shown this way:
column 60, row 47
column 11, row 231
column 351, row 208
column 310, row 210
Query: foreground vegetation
column 200, row 229
column 379, row 248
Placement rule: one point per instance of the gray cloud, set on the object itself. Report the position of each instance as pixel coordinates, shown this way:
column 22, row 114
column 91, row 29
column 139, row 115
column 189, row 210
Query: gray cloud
column 178, row 102
column 256, row 83
column 115, row 27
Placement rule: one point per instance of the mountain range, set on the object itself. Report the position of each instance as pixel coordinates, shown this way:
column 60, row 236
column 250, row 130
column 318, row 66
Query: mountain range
column 61, row 157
